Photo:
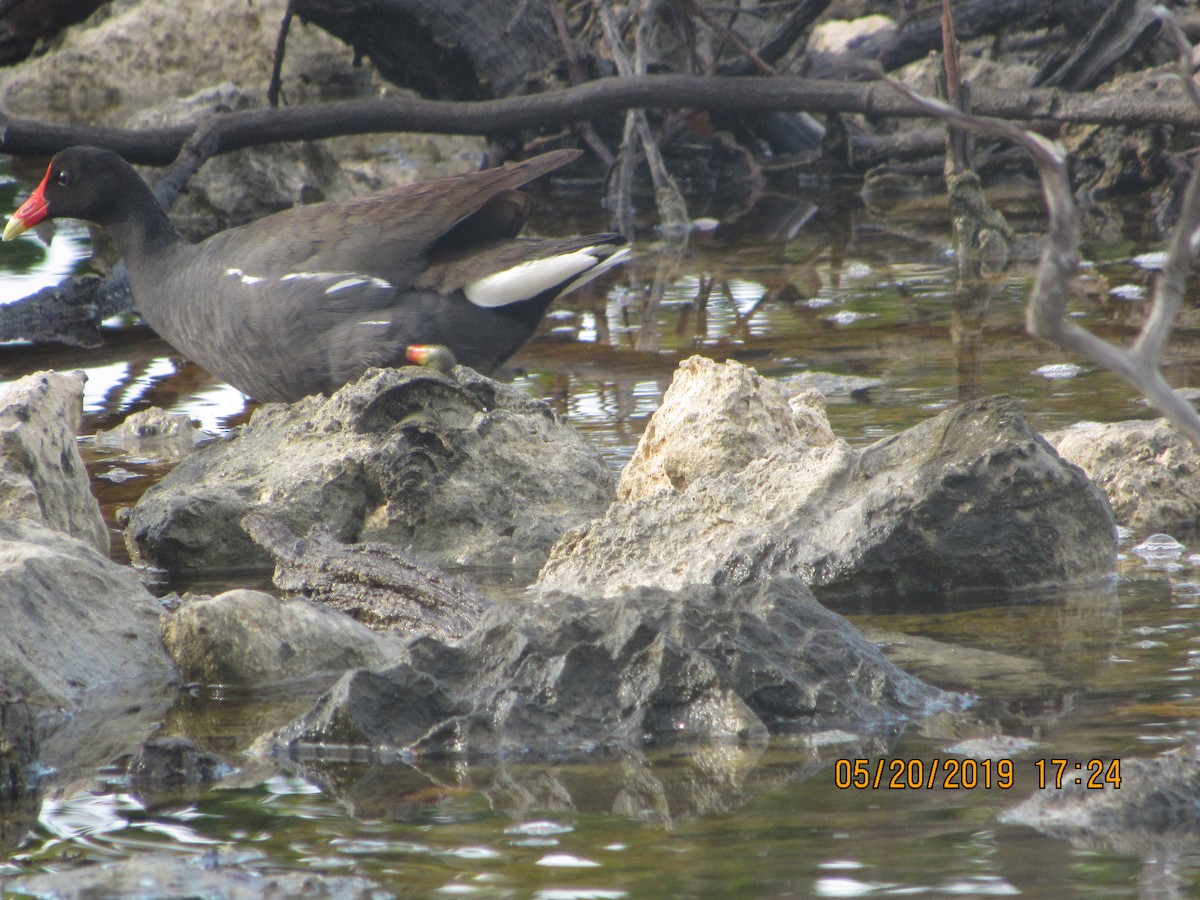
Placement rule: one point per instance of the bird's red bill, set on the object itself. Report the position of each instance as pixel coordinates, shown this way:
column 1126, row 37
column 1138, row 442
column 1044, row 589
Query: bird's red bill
column 30, row 212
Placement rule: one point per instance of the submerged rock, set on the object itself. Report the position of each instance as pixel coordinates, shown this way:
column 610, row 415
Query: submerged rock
column 1150, row 473
column 230, row 875
column 153, row 432
column 455, row 470
column 42, row 477
column 973, row 498
column 1139, row 807
column 18, row 748
column 565, row 676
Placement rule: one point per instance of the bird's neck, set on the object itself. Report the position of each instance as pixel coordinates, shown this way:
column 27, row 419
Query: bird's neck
column 141, row 229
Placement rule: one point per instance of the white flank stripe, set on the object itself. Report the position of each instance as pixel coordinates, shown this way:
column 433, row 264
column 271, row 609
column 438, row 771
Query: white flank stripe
column 246, row 279
column 349, row 279
column 528, row 279
column 381, row 322
column 345, row 283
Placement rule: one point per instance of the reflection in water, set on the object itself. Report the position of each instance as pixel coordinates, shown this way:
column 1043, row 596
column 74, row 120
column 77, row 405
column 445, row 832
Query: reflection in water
column 871, row 296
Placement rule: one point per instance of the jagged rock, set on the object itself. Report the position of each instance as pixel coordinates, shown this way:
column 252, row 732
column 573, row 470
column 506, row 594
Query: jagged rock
column 973, row 498
column 374, row 584
column 42, row 477
column 74, row 622
column 1150, row 474
column 455, row 470
column 153, row 432
column 567, row 676
column 714, row 418
column 244, row 637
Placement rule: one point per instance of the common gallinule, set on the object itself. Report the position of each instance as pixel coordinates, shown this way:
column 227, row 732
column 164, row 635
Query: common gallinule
column 306, row 300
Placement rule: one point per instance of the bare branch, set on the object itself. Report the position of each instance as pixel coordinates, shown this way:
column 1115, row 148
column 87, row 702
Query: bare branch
column 1047, row 304
column 604, row 96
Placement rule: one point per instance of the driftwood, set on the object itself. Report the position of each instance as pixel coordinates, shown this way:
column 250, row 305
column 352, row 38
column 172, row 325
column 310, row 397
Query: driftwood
column 375, row 583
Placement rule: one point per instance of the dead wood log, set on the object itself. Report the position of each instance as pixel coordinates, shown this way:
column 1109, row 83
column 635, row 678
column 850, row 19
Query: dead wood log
column 25, row 22
column 1126, row 26
column 922, row 32
column 375, row 583
column 444, row 49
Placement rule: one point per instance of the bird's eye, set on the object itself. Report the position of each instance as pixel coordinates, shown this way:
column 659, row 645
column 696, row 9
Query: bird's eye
column 62, row 177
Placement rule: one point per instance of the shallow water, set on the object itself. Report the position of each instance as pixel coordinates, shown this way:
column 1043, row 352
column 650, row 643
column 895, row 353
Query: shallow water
column 815, row 282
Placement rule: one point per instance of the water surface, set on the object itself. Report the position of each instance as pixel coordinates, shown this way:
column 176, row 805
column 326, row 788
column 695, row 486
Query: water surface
column 808, row 282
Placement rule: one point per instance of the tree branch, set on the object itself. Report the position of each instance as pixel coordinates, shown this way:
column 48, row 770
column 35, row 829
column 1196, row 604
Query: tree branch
column 248, row 128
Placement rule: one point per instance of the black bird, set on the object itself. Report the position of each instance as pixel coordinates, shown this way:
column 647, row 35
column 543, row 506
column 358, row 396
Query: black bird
column 307, row 299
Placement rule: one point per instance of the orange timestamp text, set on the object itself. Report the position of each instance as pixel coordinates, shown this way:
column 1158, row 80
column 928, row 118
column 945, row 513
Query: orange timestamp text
column 952, row 773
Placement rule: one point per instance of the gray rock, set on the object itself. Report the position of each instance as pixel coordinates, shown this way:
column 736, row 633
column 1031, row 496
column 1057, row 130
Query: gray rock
column 42, row 477
column 1150, row 473
column 375, row 584
column 973, row 498
column 455, row 470
column 153, row 432
column 565, row 676
column 133, row 55
column 245, row 637
column 1139, row 807
column 18, row 747
column 74, row 622
column 239, row 187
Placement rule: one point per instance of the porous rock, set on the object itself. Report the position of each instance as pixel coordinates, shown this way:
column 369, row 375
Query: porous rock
column 715, row 417
column 567, row 675
column 456, row 469
column 972, row 498
column 42, row 476
column 74, row 622
column 133, row 55
column 1150, row 473
column 250, row 638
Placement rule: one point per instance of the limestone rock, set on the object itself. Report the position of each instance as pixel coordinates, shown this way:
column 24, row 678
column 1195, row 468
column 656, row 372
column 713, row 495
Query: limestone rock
column 152, row 432
column 455, row 470
column 715, row 417
column 74, row 622
column 973, row 498
column 1150, row 473
column 566, row 676
column 245, row 637
column 42, row 477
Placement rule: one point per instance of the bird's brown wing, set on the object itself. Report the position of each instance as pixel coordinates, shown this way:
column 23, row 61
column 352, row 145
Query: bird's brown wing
column 389, row 235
